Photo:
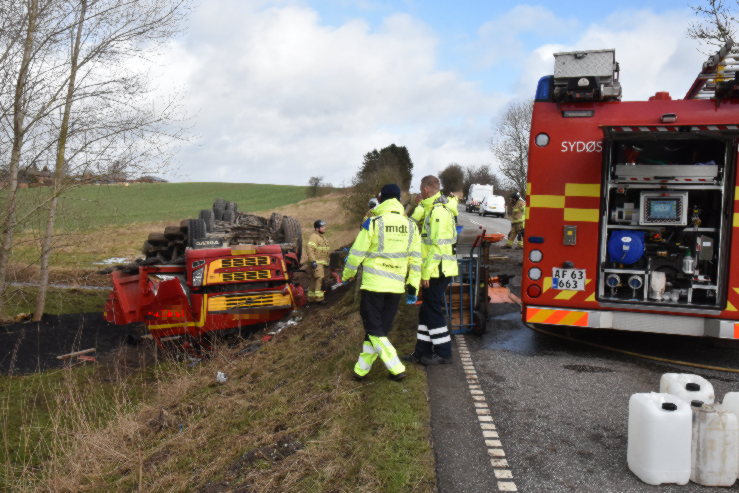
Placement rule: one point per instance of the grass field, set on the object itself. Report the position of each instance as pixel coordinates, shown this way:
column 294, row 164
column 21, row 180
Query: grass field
column 92, row 207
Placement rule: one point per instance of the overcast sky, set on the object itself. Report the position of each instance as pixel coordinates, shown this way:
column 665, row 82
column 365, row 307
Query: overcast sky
column 279, row 91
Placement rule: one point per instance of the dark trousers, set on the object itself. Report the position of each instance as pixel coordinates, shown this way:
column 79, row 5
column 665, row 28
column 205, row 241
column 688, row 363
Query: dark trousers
column 378, row 312
column 433, row 334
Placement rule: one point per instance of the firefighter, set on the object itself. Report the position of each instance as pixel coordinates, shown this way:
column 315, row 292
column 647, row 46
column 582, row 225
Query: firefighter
column 373, row 202
column 438, row 239
column 518, row 221
column 388, row 247
column 318, row 260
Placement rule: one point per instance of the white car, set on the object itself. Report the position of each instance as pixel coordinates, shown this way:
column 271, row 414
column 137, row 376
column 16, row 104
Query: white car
column 492, row 204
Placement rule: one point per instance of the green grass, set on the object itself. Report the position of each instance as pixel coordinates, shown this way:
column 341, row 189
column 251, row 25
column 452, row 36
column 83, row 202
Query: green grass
column 90, row 207
column 41, row 412
column 58, row 301
column 190, row 433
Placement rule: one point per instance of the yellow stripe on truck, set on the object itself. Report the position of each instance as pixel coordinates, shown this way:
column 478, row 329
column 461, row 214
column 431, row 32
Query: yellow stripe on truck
column 582, row 215
column 548, row 201
column 582, row 189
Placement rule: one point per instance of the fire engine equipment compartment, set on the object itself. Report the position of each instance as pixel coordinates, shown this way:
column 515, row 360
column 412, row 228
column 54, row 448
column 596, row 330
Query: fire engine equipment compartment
column 667, row 208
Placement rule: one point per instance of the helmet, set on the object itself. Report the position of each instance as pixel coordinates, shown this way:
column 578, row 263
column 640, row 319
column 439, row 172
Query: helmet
column 372, row 203
column 319, row 224
column 516, row 196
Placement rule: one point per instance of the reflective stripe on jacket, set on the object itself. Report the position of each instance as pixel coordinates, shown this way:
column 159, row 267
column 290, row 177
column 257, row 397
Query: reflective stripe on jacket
column 389, row 248
column 318, row 249
column 438, row 237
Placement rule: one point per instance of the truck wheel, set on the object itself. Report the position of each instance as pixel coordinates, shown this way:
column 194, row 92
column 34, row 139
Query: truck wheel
column 195, row 231
column 219, row 204
column 157, row 239
column 218, row 213
column 173, row 233
column 231, row 206
column 229, row 216
column 291, row 233
column 209, row 217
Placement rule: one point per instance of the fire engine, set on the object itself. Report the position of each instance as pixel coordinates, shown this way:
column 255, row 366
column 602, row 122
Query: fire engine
column 632, row 219
column 205, row 277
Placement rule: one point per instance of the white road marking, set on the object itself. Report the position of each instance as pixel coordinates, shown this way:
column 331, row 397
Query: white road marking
column 492, row 440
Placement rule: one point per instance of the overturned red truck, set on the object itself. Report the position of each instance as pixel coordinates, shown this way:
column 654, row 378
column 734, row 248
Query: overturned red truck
column 225, row 270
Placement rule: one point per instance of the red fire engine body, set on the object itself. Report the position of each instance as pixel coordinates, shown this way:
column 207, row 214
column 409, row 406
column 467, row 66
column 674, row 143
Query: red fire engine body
column 215, row 289
column 632, row 219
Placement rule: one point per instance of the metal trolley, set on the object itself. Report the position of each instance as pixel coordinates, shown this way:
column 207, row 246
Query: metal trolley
column 466, row 297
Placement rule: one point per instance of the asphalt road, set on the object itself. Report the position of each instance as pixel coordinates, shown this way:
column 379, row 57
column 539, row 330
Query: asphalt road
column 519, row 410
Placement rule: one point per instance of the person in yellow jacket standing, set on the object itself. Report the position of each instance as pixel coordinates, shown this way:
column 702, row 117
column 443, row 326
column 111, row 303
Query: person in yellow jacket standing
column 318, row 251
column 518, row 218
column 438, row 237
column 388, row 247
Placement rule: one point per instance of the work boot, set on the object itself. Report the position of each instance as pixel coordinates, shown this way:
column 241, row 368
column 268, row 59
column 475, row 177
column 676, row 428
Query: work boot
column 434, row 359
column 358, row 378
column 411, row 358
column 396, row 378
column 507, row 246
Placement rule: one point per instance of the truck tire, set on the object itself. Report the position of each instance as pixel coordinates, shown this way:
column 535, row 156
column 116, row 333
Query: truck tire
column 291, row 233
column 173, row 233
column 195, row 231
column 157, row 239
column 231, row 206
column 229, row 216
column 219, row 204
column 218, row 213
column 209, row 217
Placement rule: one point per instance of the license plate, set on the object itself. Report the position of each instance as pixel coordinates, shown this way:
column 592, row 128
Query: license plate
column 572, row 279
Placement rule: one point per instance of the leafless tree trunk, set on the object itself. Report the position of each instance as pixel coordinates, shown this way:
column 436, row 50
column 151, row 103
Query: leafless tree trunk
column 47, row 239
column 19, row 114
column 511, row 145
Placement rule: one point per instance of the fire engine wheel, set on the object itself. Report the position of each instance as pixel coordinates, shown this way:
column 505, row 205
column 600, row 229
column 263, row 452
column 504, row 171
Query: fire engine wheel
column 291, row 233
column 195, row 231
column 208, row 216
column 229, row 216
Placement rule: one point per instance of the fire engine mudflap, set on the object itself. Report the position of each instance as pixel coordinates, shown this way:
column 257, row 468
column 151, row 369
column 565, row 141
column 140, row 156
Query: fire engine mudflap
column 632, row 218
column 225, row 270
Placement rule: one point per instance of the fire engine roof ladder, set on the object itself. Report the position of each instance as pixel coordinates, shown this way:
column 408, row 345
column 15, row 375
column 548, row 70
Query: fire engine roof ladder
column 718, row 68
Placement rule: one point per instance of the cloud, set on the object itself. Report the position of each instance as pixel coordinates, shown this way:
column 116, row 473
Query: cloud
column 279, row 97
column 652, row 49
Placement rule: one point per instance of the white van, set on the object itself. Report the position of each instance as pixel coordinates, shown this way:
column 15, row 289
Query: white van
column 492, row 204
column 475, row 195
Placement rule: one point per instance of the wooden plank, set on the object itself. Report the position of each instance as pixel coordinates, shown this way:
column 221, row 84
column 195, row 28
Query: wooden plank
column 76, row 353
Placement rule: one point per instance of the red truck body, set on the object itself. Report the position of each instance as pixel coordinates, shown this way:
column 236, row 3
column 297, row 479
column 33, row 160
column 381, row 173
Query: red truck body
column 216, row 289
column 618, row 195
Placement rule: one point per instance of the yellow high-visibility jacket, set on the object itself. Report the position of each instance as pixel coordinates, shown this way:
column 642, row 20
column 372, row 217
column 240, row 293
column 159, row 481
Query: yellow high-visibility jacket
column 318, row 249
column 389, row 248
column 438, row 237
column 518, row 215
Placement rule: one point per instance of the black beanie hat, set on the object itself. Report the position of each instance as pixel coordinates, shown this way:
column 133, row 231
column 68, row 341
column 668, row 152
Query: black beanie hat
column 389, row 191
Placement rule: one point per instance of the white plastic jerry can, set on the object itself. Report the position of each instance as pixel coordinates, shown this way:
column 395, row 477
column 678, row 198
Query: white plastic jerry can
column 687, row 386
column 715, row 448
column 658, row 449
column 731, row 404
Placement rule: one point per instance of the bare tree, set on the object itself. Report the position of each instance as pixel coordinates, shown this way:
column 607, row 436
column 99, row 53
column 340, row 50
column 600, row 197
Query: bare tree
column 482, row 175
column 314, row 184
column 103, row 35
column 511, row 144
column 717, row 22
